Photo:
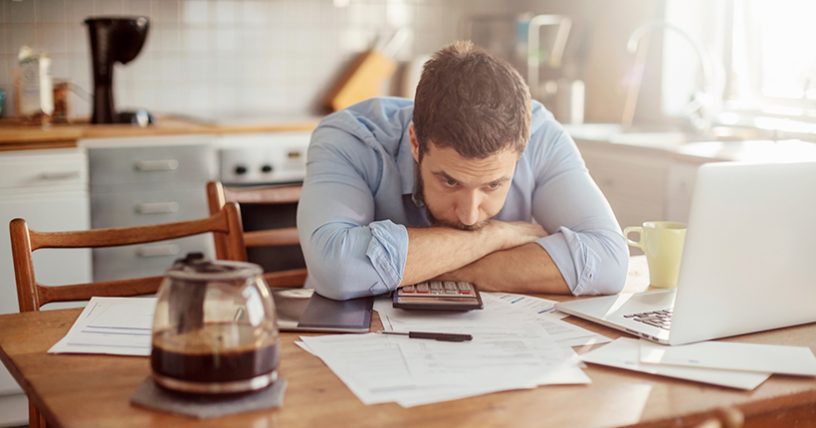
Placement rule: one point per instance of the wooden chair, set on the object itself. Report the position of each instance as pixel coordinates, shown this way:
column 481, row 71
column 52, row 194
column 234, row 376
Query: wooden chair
column 218, row 195
column 224, row 224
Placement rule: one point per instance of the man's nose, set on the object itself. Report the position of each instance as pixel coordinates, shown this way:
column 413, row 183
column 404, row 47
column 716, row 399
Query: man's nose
column 467, row 210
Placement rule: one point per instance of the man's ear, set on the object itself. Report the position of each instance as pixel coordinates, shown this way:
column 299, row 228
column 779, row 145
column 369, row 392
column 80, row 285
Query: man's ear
column 414, row 142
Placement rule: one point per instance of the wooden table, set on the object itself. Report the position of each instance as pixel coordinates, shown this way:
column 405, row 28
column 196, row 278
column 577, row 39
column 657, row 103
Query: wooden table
column 87, row 391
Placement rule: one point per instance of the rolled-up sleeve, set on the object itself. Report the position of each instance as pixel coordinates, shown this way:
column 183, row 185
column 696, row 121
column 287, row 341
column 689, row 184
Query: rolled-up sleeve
column 585, row 241
column 347, row 253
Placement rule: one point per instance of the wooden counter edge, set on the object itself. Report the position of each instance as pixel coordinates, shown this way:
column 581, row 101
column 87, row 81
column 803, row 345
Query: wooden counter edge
column 17, row 137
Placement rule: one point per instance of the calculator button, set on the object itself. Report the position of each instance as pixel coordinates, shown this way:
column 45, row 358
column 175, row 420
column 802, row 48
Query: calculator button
column 464, row 287
column 450, row 286
column 454, row 291
column 422, row 287
column 408, row 289
column 436, row 288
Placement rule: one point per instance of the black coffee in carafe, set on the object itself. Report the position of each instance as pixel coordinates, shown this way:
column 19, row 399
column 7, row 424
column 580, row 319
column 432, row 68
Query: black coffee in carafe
column 214, row 328
column 199, row 357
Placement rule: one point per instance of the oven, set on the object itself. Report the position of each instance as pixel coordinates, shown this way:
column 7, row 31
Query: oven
column 247, row 160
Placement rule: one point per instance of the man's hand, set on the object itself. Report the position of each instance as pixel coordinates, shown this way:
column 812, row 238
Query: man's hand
column 523, row 269
column 511, row 234
column 433, row 251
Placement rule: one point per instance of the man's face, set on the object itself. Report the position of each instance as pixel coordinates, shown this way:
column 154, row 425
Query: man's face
column 460, row 192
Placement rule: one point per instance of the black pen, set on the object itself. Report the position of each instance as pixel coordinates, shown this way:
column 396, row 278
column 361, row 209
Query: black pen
column 444, row 337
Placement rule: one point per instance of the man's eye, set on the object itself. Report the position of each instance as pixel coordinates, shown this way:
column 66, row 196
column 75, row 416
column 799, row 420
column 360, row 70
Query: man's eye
column 450, row 182
column 494, row 186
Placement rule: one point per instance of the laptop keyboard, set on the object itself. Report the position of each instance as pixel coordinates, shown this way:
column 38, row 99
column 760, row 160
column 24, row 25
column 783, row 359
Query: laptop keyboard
column 659, row 319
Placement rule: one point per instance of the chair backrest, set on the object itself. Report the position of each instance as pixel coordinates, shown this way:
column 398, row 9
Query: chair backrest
column 225, row 225
column 218, row 195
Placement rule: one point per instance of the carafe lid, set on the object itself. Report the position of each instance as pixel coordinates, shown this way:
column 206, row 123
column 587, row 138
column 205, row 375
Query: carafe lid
column 195, row 267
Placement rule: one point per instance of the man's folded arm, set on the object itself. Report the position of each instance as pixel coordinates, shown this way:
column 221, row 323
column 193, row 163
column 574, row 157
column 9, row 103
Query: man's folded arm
column 585, row 242
column 347, row 253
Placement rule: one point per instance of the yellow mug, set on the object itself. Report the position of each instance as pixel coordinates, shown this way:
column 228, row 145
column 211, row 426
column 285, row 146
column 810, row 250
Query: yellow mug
column 662, row 242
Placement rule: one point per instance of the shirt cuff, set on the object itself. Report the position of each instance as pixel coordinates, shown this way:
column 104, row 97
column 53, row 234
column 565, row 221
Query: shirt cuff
column 576, row 261
column 387, row 251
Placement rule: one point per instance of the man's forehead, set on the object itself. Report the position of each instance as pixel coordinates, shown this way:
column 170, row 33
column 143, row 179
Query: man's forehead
column 448, row 163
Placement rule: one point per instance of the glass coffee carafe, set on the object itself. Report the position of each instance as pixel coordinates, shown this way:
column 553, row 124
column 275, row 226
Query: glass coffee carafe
column 214, row 329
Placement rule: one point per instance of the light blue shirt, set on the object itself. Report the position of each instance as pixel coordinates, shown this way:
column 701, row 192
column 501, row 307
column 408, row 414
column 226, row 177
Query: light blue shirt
column 357, row 201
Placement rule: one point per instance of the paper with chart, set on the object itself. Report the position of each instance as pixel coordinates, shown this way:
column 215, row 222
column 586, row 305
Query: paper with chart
column 624, row 353
column 111, row 325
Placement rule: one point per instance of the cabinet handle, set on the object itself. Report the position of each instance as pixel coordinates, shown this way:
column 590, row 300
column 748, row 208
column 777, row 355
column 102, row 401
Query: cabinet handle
column 63, row 175
column 157, row 208
column 157, row 165
column 158, row 250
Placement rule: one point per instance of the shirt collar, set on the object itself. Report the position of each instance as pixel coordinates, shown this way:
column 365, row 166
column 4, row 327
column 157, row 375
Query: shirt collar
column 406, row 164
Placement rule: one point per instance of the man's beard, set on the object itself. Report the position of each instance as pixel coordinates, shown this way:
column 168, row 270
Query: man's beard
column 420, row 191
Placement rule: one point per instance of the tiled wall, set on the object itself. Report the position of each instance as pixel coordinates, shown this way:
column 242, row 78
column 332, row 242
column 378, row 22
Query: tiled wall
column 226, row 56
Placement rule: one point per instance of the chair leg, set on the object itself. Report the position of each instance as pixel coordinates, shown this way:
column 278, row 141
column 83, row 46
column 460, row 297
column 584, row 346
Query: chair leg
column 35, row 419
column 33, row 416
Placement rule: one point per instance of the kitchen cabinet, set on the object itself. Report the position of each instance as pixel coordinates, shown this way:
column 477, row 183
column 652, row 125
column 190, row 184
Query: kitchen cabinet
column 148, row 180
column 49, row 189
column 633, row 179
column 642, row 184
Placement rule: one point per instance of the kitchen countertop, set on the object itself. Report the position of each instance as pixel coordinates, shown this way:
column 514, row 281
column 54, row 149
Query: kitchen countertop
column 682, row 146
column 14, row 136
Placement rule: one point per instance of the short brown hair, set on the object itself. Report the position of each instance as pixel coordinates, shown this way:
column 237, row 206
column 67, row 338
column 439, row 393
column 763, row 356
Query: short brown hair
column 468, row 100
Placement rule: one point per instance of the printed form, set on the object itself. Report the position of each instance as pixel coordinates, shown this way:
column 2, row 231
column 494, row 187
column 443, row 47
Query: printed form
column 111, row 325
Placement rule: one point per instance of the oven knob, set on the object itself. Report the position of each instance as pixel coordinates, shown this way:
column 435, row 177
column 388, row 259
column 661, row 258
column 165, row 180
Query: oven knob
column 240, row 169
column 266, row 169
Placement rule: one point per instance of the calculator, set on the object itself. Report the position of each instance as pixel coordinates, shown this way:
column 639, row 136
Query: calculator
column 438, row 296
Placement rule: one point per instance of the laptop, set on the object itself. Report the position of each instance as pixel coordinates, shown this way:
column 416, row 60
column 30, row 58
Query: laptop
column 747, row 261
column 301, row 309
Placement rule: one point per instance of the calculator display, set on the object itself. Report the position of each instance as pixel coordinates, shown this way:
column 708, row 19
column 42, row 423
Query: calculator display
column 438, row 296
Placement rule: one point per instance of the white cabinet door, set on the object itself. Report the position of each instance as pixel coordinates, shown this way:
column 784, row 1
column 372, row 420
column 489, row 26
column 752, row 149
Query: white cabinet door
column 632, row 179
column 47, row 188
column 45, row 212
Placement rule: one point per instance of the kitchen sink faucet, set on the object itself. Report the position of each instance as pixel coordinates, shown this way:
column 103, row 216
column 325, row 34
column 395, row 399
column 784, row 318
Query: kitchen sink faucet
column 708, row 100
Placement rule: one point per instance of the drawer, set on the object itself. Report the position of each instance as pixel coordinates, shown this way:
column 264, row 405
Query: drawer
column 43, row 170
column 151, row 164
column 143, row 208
column 135, row 261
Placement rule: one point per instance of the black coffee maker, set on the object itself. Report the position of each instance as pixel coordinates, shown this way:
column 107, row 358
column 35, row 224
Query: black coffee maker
column 113, row 40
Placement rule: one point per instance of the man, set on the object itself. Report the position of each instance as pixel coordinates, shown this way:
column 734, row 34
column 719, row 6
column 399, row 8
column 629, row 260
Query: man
column 472, row 182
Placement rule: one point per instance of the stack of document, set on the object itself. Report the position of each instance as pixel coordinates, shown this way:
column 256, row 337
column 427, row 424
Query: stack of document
column 111, row 325
column 519, row 342
column 735, row 365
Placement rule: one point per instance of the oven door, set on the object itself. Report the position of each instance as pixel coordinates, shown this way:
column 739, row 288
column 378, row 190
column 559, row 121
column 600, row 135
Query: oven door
column 267, row 216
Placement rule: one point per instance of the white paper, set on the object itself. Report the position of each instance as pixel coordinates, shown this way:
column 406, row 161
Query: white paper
column 373, row 368
column 527, row 306
column 411, row 372
column 566, row 372
column 624, row 353
column 790, row 360
column 497, row 354
column 499, row 309
column 111, row 325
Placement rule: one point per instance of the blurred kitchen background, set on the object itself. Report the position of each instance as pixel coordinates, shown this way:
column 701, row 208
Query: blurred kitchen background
column 212, row 57
column 225, row 56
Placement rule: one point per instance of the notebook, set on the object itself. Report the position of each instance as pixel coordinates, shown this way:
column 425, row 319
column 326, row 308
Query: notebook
column 747, row 262
column 301, row 309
